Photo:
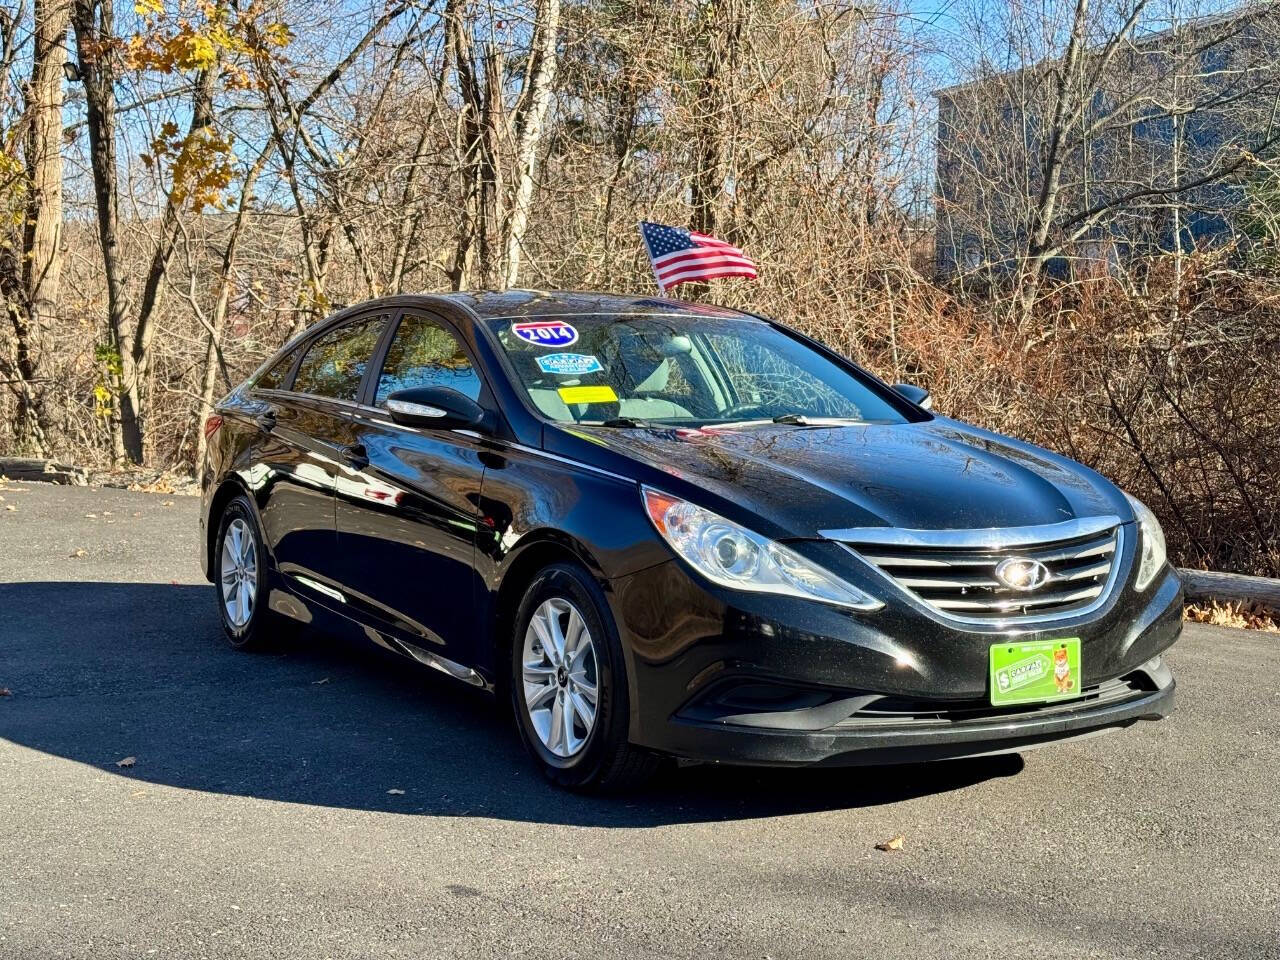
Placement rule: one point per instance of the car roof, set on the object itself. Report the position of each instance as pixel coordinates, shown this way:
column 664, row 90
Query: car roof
column 521, row 304
column 517, row 305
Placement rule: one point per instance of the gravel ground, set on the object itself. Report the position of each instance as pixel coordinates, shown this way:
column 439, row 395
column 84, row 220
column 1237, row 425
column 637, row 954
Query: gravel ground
column 257, row 818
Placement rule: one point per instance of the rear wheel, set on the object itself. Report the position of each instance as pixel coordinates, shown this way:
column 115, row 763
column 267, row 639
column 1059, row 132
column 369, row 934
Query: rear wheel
column 240, row 576
column 569, row 688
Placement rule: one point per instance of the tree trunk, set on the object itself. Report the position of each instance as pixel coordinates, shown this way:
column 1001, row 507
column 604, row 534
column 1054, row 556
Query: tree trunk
column 218, row 322
column 42, row 233
column 714, row 99
column 94, row 22
column 153, row 285
column 475, row 249
column 489, row 171
column 407, row 224
column 1066, row 111
column 535, row 97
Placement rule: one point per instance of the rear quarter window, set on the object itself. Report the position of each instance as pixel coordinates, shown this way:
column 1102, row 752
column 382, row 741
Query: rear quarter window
column 275, row 376
column 335, row 362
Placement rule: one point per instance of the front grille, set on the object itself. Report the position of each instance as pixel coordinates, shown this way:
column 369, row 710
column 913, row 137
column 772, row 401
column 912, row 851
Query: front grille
column 955, row 574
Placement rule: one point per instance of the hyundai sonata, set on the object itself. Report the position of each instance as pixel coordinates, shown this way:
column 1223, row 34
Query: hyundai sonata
column 661, row 529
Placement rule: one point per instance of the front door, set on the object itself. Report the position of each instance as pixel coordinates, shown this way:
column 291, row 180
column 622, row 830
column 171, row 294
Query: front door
column 407, row 515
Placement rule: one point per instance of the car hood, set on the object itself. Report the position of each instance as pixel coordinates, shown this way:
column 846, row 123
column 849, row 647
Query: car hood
column 939, row 474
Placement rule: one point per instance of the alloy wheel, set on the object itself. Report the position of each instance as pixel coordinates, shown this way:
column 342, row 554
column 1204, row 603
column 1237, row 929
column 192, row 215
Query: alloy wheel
column 561, row 677
column 239, row 572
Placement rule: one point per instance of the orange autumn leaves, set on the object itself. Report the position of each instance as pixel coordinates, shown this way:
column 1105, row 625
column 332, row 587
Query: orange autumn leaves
column 204, row 36
column 201, row 164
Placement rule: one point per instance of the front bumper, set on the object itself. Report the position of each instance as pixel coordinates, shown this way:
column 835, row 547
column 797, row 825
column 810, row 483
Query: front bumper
column 876, row 740
column 767, row 680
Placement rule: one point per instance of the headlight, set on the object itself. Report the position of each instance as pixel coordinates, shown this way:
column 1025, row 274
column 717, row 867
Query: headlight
column 1151, row 553
column 733, row 556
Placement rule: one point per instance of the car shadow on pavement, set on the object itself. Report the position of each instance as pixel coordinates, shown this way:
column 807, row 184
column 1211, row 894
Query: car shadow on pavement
column 103, row 671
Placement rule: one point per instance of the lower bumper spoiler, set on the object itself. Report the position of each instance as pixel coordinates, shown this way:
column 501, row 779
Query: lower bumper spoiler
column 910, row 742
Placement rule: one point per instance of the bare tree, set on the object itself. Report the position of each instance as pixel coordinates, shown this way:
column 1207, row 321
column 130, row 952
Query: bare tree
column 1090, row 127
column 36, row 312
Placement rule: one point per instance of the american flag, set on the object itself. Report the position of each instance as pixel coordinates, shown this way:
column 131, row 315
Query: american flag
column 680, row 256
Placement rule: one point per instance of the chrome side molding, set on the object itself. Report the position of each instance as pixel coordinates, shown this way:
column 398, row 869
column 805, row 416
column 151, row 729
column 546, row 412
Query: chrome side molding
column 443, row 664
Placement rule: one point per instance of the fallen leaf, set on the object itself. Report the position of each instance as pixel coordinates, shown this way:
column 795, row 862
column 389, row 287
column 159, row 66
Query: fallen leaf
column 10, row 506
column 127, row 762
column 91, row 516
column 78, row 553
column 396, row 792
column 316, row 683
column 890, row 845
column 167, row 503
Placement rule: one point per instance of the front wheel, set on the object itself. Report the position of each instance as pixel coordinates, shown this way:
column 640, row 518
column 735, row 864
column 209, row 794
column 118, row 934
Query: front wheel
column 569, row 688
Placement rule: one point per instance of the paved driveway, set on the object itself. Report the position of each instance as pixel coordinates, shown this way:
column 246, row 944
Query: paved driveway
column 257, row 819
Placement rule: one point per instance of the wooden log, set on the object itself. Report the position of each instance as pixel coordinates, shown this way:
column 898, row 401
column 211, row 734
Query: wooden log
column 1209, row 584
column 44, row 471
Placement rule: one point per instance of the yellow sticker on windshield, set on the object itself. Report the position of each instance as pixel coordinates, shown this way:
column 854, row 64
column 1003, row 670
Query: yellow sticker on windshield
column 597, row 394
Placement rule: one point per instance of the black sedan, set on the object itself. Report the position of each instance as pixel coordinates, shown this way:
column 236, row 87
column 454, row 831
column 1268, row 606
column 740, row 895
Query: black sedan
column 662, row 529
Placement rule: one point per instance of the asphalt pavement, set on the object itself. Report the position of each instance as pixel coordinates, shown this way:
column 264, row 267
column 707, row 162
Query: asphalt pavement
column 326, row 800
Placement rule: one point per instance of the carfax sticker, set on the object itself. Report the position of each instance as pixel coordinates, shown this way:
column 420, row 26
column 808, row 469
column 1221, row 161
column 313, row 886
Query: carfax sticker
column 599, row 394
column 546, row 333
column 569, row 364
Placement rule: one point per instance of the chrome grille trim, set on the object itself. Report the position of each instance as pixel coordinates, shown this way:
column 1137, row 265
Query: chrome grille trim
column 988, row 537
column 952, row 572
column 1029, row 600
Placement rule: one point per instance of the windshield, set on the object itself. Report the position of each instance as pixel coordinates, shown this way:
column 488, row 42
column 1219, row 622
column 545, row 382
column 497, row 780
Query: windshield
column 685, row 370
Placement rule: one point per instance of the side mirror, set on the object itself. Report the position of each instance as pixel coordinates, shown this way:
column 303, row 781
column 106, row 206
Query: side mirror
column 440, row 408
column 917, row 395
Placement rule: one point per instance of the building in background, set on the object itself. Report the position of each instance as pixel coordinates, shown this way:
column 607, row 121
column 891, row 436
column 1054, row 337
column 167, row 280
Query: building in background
column 1149, row 153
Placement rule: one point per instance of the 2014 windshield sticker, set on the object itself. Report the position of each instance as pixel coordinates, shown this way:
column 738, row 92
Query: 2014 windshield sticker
column 569, row 364
column 546, row 333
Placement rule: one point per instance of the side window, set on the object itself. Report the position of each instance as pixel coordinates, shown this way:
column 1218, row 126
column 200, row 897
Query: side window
column 425, row 353
column 334, row 364
column 275, row 375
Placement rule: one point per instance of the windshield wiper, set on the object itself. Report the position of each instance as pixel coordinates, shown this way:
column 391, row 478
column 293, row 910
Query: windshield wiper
column 801, row 420
column 631, row 422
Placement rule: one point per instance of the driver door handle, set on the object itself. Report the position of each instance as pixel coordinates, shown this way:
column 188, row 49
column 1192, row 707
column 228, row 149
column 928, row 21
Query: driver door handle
column 355, row 455
column 266, row 421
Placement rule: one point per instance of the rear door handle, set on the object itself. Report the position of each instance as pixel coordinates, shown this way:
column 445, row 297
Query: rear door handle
column 356, row 455
column 267, row 421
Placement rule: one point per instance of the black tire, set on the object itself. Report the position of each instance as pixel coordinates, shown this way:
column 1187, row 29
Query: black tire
column 606, row 761
column 261, row 626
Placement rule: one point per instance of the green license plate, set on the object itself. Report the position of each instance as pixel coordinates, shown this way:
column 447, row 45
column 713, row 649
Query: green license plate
column 1035, row 672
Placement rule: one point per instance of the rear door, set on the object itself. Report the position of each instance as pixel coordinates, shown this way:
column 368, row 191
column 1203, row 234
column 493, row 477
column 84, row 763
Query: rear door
column 308, row 434
column 407, row 518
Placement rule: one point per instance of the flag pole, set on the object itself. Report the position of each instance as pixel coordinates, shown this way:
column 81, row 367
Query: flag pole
column 644, row 243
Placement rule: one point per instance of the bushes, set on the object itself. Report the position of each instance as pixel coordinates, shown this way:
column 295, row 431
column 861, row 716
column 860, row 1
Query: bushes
column 1181, row 406
column 1179, row 403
